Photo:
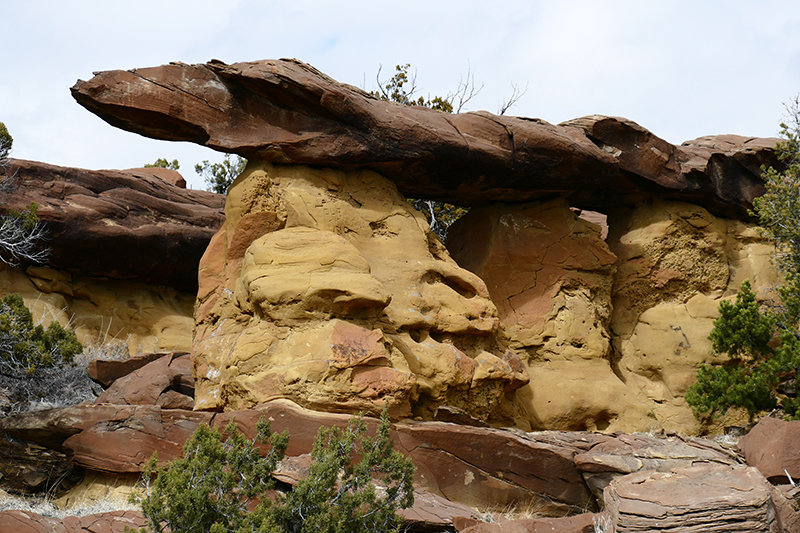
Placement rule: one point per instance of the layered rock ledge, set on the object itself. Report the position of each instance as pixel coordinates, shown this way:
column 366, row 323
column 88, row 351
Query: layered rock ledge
column 285, row 111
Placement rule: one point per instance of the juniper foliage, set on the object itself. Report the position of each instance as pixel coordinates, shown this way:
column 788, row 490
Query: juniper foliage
column 221, row 484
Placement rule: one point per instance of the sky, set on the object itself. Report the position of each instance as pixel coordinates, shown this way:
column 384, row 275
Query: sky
column 680, row 68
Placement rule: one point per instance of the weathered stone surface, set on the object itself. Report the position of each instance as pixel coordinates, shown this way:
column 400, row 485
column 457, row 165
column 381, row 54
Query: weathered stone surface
column 773, row 446
column 625, row 454
column 582, row 523
column 550, row 274
column 286, row 111
column 328, row 289
column 787, row 508
column 111, row 522
column 676, row 262
column 160, row 382
column 173, row 177
column 479, row 467
column 117, row 224
column 713, row 498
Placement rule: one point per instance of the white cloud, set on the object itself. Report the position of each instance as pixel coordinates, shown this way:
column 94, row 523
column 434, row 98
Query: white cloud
column 681, row 69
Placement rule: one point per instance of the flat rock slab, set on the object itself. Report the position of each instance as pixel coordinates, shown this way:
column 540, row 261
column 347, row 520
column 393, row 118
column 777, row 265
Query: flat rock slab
column 773, row 446
column 707, row 498
column 285, row 111
column 625, row 454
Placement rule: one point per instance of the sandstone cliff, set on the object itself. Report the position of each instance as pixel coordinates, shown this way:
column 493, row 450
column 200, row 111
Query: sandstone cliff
column 323, row 286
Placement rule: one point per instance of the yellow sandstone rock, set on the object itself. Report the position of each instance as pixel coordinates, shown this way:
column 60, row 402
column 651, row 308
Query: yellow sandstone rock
column 327, row 288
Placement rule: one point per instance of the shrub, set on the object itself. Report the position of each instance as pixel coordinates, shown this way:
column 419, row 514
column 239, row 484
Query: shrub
column 24, row 348
column 754, row 368
column 37, row 364
column 221, row 484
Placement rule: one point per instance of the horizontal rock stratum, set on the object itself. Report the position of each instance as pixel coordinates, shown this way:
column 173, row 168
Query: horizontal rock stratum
column 285, row 111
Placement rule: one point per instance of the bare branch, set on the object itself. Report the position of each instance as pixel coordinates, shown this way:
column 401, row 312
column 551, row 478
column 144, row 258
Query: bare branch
column 516, row 94
column 20, row 240
column 465, row 92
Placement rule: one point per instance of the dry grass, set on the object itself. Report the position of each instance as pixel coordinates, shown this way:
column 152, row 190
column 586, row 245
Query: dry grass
column 44, row 506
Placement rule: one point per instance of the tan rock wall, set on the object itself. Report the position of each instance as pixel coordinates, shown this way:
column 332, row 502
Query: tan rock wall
column 144, row 317
column 613, row 334
column 327, row 288
column 676, row 263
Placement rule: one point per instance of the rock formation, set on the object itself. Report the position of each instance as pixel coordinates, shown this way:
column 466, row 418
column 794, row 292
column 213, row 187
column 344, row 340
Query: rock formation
column 125, row 246
column 286, row 111
column 325, row 288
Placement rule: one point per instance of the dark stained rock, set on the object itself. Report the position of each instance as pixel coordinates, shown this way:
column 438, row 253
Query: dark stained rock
column 27, row 467
column 111, row 522
column 708, row 498
column 773, row 446
column 165, row 382
column 286, row 111
column 118, row 224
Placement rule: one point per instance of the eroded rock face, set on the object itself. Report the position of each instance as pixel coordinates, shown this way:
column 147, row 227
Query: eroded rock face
column 550, row 274
column 327, row 288
column 140, row 316
column 676, row 263
column 612, row 332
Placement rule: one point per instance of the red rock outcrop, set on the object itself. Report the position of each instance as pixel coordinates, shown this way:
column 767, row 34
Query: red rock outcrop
column 111, row 522
column 118, row 224
column 285, row 111
column 773, row 446
column 479, row 467
column 166, row 382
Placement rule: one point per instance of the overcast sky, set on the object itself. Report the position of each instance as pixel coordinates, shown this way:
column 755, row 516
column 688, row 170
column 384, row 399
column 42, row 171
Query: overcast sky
column 681, row 69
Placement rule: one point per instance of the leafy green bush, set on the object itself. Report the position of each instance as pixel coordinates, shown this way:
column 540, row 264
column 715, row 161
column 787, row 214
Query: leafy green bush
column 24, row 348
column 756, row 364
column 221, row 484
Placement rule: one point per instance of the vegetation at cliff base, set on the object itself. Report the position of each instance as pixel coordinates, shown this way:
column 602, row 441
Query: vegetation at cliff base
column 762, row 343
column 222, row 484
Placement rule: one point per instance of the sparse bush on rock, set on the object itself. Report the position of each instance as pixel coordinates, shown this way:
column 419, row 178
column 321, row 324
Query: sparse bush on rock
column 37, row 364
column 222, row 484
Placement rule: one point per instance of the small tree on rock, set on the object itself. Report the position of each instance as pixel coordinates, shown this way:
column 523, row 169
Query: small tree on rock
column 220, row 176
column 221, row 484
column 163, row 163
